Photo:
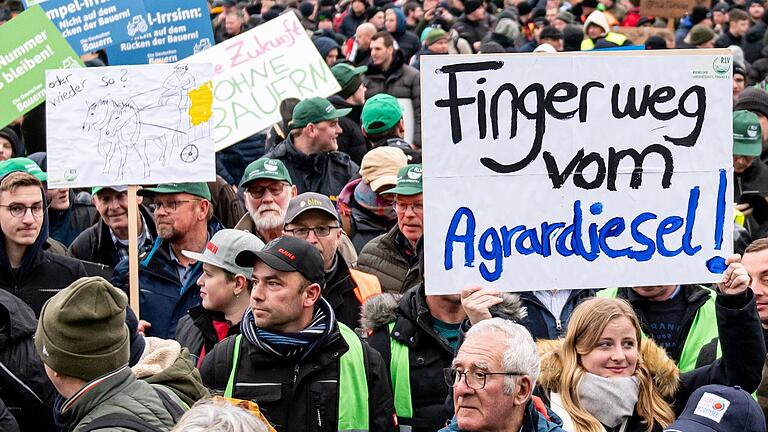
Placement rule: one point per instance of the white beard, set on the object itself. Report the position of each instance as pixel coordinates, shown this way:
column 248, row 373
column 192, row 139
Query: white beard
column 269, row 220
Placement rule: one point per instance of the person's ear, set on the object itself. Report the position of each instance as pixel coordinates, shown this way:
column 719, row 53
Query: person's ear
column 240, row 284
column 312, row 295
column 205, row 205
column 294, row 191
column 523, row 395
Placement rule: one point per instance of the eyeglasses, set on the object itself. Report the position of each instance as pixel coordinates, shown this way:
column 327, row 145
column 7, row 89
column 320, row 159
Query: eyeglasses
column 474, row 379
column 257, row 192
column 18, row 210
column 171, row 206
column 320, row 231
column 401, row 207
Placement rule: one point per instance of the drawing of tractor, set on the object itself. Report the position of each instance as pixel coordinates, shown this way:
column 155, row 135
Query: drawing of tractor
column 137, row 25
column 202, row 45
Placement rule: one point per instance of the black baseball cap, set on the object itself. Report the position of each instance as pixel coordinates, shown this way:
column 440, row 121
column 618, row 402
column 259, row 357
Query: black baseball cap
column 717, row 408
column 288, row 254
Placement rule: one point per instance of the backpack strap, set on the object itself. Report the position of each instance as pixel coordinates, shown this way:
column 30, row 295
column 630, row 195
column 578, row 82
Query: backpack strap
column 170, row 405
column 125, row 421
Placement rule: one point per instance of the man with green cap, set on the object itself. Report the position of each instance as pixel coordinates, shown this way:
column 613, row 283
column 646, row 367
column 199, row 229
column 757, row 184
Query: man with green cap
column 750, row 174
column 391, row 256
column 383, row 125
column 267, row 190
column 84, row 344
column 167, row 278
column 310, row 151
column 351, row 96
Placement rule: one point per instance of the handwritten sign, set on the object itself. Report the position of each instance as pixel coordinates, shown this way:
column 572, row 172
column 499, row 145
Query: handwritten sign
column 256, row 70
column 590, row 170
column 176, row 30
column 90, row 25
column 666, row 8
column 29, row 44
column 638, row 35
column 129, row 125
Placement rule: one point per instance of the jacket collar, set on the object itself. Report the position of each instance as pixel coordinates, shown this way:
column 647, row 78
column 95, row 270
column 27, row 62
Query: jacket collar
column 94, row 394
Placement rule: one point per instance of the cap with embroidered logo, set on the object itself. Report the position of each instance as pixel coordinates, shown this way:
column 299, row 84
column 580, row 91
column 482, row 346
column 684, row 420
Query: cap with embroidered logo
column 197, row 189
column 718, row 408
column 22, row 164
column 747, row 135
column 408, row 181
column 271, row 169
column 288, row 254
column 223, row 247
column 314, row 110
column 309, row 201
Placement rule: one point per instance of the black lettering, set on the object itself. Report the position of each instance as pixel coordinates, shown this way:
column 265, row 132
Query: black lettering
column 615, row 157
column 630, row 109
column 571, row 91
column 701, row 110
column 558, row 178
column 583, row 98
column 660, row 96
column 578, row 178
column 481, row 110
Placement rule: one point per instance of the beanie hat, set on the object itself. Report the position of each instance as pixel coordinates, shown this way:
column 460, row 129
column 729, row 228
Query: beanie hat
column 699, row 34
column 655, row 43
column 753, row 99
column 565, row 17
column 324, row 45
column 81, row 332
column 524, row 8
column 471, row 6
column 550, row 32
column 738, row 69
column 306, row 8
column 698, row 14
column 435, row 35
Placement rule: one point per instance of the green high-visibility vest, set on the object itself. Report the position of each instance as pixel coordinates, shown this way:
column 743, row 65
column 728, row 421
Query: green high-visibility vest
column 353, row 382
column 703, row 330
column 617, row 38
column 400, row 372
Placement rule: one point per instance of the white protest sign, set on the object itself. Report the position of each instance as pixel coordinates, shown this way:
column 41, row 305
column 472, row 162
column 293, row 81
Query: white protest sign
column 587, row 170
column 129, row 125
column 258, row 69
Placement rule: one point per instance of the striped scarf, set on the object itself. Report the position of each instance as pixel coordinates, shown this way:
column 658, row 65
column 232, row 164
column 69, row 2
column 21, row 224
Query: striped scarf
column 287, row 345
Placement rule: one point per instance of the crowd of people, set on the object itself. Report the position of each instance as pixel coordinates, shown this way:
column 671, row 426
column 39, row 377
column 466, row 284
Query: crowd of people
column 289, row 294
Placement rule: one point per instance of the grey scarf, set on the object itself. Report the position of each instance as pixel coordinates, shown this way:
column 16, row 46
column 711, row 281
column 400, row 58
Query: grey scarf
column 610, row 400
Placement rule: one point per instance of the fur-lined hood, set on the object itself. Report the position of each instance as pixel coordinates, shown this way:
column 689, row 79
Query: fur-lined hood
column 666, row 375
column 380, row 310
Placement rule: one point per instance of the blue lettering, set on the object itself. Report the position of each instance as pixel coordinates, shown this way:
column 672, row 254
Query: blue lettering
column 468, row 238
column 642, row 255
column 507, row 236
column 494, row 253
column 532, row 237
column 690, row 219
column 546, row 231
column 668, row 226
column 613, row 228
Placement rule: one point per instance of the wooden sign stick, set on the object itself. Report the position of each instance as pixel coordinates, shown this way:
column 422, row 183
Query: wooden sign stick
column 133, row 250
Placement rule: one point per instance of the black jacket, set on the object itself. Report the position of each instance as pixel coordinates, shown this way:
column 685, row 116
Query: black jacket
column 196, row 331
column 727, row 39
column 753, row 40
column 24, row 386
column 339, row 291
column 324, row 173
column 540, row 321
column 472, row 31
column 351, row 140
column 95, row 244
column 66, row 225
column 299, row 396
column 41, row 275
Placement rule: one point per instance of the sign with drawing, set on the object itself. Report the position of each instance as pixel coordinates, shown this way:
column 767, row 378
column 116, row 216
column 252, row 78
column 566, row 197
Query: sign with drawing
column 129, row 125
column 588, row 171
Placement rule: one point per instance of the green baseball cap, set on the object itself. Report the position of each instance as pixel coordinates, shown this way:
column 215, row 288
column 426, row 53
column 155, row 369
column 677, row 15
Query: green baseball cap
column 344, row 72
column 314, row 110
column 380, row 113
column 24, row 165
column 747, row 135
column 272, row 169
column 197, row 189
column 408, row 181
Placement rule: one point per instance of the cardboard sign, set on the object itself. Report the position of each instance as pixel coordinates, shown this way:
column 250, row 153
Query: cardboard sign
column 90, row 25
column 590, row 170
column 129, row 125
column 176, row 30
column 29, row 44
column 666, row 8
column 638, row 35
column 258, row 69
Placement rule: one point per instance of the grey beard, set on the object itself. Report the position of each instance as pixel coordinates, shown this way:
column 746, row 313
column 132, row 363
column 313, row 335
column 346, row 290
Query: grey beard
column 267, row 222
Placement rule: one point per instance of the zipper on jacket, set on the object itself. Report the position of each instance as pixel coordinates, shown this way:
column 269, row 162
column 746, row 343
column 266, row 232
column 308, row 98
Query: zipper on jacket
column 319, row 419
column 558, row 324
column 295, row 374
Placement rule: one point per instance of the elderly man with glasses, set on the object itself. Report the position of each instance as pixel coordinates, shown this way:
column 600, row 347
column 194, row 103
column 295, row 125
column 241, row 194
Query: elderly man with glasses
column 312, row 217
column 184, row 219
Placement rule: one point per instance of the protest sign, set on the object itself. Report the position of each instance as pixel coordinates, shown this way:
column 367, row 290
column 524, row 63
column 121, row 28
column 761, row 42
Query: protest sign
column 177, row 29
column 90, row 25
column 638, row 35
column 590, row 170
column 256, row 70
column 666, row 8
column 29, row 44
column 129, row 125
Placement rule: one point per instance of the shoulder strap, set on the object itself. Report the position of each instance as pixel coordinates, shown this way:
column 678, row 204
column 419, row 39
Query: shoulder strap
column 125, row 421
column 170, row 405
column 233, row 371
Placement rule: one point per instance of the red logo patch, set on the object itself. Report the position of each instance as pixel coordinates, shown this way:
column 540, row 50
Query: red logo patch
column 212, row 247
column 288, row 254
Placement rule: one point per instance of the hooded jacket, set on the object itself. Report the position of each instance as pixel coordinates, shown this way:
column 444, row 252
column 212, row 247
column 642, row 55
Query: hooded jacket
column 407, row 41
column 24, row 386
column 325, row 173
column 402, row 82
column 351, row 22
column 383, row 258
column 16, row 145
column 742, row 343
column 41, row 274
column 163, row 298
column 428, row 353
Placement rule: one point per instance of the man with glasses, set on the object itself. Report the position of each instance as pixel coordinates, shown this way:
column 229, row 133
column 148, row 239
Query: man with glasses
column 184, row 219
column 313, row 218
column 493, row 376
column 310, row 151
column 392, row 256
column 27, row 270
column 268, row 188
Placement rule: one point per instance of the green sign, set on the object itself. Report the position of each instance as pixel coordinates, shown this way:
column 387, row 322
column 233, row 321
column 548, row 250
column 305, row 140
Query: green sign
column 29, row 44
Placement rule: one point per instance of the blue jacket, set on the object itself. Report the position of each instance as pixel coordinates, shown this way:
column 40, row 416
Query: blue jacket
column 533, row 421
column 163, row 299
column 540, row 321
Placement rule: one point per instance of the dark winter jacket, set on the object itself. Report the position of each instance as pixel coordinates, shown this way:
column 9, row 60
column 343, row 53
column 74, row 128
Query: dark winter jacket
column 299, row 395
column 540, row 321
column 754, row 179
column 402, row 82
column 24, row 386
column 414, row 155
column 350, row 23
column 41, row 275
column 95, row 244
column 396, row 268
column 163, row 299
column 533, row 421
column 471, row 31
column 727, row 39
column 7, row 421
column 351, row 140
column 325, row 173
column 407, row 41
column 227, row 206
column 753, row 40
column 339, row 291
column 197, row 331
column 66, row 225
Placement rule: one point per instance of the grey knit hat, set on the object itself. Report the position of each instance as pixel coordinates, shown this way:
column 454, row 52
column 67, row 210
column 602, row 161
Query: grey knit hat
column 753, row 99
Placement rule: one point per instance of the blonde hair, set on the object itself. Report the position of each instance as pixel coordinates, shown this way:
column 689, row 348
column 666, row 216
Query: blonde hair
column 585, row 327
